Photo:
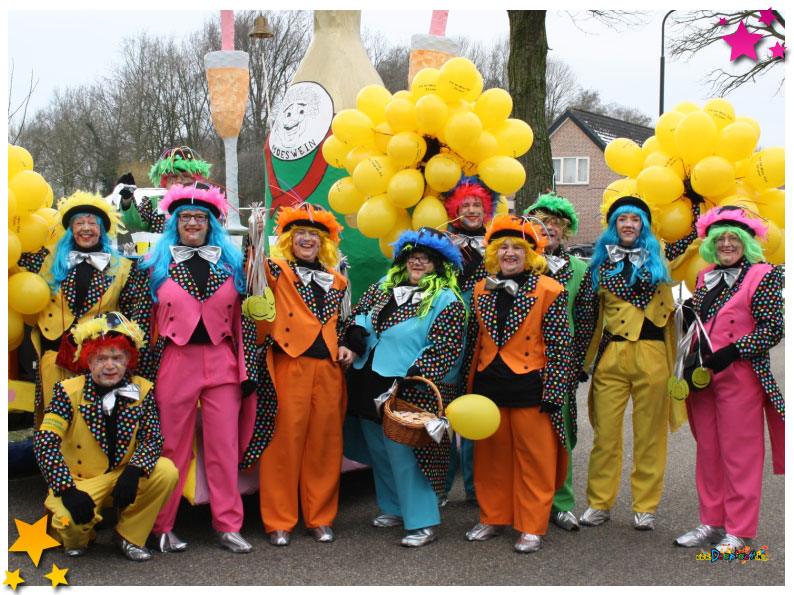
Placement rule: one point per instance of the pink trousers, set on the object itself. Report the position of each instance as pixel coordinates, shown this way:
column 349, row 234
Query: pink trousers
column 205, row 374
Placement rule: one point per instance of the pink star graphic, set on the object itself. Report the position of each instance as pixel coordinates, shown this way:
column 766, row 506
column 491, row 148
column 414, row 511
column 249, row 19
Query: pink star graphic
column 777, row 50
column 723, row 21
column 767, row 17
column 743, row 42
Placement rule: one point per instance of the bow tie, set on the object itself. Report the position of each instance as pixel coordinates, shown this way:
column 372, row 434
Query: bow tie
column 636, row 256
column 98, row 260
column 508, row 285
column 405, row 292
column 209, row 253
column 323, row 279
column 555, row 262
column 712, row 278
column 474, row 242
column 128, row 391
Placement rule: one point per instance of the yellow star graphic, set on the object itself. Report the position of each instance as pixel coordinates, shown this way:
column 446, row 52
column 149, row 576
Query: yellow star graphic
column 64, row 522
column 57, row 576
column 13, row 579
column 33, row 539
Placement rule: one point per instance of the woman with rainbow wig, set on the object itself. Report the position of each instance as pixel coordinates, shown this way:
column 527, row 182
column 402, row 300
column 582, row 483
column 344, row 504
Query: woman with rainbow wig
column 411, row 323
column 625, row 313
column 87, row 276
column 190, row 290
column 739, row 299
column 522, row 363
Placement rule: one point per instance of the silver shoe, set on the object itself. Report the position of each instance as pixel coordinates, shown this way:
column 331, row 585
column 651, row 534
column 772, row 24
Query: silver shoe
column 234, row 542
column 593, row 517
column 565, row 520
column 134, row 552
column 419, row 537
column 74, row 552
column 644, row 521
column 528, row 543
column 387, row 520
column 442, row 500
column 322, row 534
column 166, row 542
column 730, row 544
column 484, row 531
column 279, row 537
column 701, row 536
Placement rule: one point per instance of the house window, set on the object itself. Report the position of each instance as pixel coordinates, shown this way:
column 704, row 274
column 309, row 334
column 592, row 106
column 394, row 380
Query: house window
column 571, row 170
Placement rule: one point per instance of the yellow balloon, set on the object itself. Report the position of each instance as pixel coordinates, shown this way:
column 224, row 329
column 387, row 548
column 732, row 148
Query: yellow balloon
column 26, row 158
column 514, row 136
column 504, row 175
column 675, row 221
column 674, row 162
column 14, row 249
column 473, row 416
column 624, row 157
column 429, row 212
column 401, row 115
column 357, row 155
column 353, row 127
column 47, row 202
column 335, row 151
column 462, row 130
column 372, row 100
column 502, row 207
column 712, row 176
column 651, row 145
column 403, row 94
column 736, row 141
column 30, row 190
column 773, row 239
column 344, row 197
column 771, row 205
column 738, row 200
column 472, row 95
column 459, row 106
column 659, row 185
column 767, row 168
column 493, row 107
column 425, row 82
column 352, row 220
column 406, row 149
column 485, row 146
column 442, row 172
column 28, row 293
column 695, row 137
column 376, row 216
column 431, row 113
column 406, row 188
column 721, row 111
column 53, row 220
column 372, row 175
column 457, row 78
column 403, row 223
column 383, row 134
column 618, row 188
column 686, row 107
column 16, row 329
column 665, row 131
column 14, row 161
column 12, row 203
column 779, row 255
column 31, row 230
column 744, row 188
column 696, row 264
column 752, row 122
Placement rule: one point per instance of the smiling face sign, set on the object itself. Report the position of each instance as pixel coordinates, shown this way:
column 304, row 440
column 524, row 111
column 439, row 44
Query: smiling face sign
column 302, row 121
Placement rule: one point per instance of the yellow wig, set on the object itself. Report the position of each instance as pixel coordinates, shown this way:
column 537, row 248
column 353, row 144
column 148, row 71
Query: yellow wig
column 533, row 261
column 328, row 254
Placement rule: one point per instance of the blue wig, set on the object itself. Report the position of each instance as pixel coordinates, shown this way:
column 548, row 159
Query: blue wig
column 60, row 264
column 427, row 237
column 159, row 258
column 655, row 263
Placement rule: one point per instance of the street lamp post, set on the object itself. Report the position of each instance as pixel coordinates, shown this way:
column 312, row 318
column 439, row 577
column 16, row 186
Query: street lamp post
column 661, row 68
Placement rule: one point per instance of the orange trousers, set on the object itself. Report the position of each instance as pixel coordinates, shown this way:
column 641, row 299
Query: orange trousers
column 304, row 459
column 518, row 469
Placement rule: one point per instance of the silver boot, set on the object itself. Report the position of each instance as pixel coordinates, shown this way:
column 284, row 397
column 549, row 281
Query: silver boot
column 134, row 552
column 701, row 536
column 234, row 542
column 528, row 543
column 322, row 534
column 74, row 552
column 419, row 537
column 730, row 543
column 484, row 531
column 166, row 542
column 565, row 520
column 593, row 517
column 387, row 520
column 279, row 537
column 644, row 521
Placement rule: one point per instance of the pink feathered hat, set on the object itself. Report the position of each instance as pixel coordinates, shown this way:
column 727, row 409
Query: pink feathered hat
column 197, row 194
column 731, row 215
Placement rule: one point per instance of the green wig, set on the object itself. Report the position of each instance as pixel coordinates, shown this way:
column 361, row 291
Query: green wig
column 179, row 159
column 556, row 206
column 752, row 249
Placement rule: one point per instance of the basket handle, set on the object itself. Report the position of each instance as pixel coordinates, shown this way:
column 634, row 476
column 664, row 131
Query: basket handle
column 432, row 386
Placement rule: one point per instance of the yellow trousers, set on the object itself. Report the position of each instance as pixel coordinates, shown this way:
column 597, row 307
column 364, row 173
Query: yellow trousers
column 636, row 369
column 134, row 522
column 50, row 374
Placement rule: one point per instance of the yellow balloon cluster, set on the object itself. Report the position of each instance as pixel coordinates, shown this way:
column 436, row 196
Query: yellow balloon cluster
column 32, row 224
column 707, row 151
column 383, row 145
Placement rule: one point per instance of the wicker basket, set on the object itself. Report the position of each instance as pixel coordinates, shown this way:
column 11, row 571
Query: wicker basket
column 401, row 430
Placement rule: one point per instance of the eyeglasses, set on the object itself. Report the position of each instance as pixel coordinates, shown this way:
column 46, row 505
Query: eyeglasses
column 185, row 218
column 723, row 240
column 420, row 258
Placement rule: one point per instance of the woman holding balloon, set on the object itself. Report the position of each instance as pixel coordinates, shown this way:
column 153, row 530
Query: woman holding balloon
column 521, row 363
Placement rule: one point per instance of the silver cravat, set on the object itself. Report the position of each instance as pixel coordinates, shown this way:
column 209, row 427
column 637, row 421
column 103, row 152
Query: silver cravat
column 209, row 253
column 98, row 260
column 323, row 279
column 712, row 278
column 509, row 285
column 637, row 256
column 128, row 391
column 404, row 293
column 474, row 242
column 555, row 262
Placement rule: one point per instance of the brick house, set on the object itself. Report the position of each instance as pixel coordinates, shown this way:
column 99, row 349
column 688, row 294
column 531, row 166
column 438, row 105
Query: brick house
column 578, row 139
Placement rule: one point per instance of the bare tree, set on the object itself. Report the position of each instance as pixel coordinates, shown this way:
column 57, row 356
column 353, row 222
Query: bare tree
column 16, row 120
column 561, row 88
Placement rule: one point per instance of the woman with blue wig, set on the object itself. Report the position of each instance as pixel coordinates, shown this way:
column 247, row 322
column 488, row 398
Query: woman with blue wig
column 87, row 276
column 193, row 278
column 625, row 324
column 411, row 323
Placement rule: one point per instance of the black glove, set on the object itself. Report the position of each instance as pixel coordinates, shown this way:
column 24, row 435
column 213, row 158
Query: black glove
column 689, row 314
column 79, row 504
column 549, row 407
column 583, row 376
column 126, row 192
column 126, row 179
column 247, row 387
column 412, row 371
column 356, row 337
column 722, row 358
column 126, row 487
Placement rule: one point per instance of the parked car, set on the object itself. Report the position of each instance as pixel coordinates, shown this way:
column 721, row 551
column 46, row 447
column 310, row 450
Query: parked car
column 580, row 250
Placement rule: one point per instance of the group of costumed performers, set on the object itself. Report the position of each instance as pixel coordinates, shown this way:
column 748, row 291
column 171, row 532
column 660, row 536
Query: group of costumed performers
column 739, row 302
column 522, row 363
column 188, row 290
column 625, row 324
column 100, row 439
column 411, row 323
column 87, row 276
column 304, row 360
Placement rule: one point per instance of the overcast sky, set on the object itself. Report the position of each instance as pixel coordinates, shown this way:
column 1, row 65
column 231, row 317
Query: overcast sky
column 66, row 48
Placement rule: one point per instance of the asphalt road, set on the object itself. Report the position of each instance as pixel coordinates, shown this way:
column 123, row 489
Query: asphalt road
column 612, row 554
